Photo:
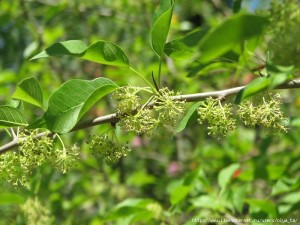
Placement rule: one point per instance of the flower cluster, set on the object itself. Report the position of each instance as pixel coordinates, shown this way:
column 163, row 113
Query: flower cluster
column 104, row 147
column 266, row 114
column 35, row 212
column 66, row 158
column 126, row 99
column 140, row 119
column 32, row 153
column 217, row 116
column 168, row 109
column 142, row 122
column 34, row 150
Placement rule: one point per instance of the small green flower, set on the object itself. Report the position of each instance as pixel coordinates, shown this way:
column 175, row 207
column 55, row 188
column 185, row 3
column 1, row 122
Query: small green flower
column 126, row 99
column 217, row 116
column 66, row 158
column 266, row 114
column 140, row 123
column 102, row 147
column 168, row 109
column 35, row 212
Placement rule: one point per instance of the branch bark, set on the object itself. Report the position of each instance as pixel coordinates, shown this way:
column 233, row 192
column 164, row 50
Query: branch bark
column 112, row 118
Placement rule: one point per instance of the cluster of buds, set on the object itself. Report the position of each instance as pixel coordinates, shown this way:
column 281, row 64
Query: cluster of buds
column 103, row 147
column 17, row 166
column 266, row 114
column 140, row 119
column 217, row 116
column 66, row 158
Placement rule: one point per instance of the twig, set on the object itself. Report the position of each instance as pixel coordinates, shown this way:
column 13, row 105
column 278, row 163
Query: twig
column 112, row 118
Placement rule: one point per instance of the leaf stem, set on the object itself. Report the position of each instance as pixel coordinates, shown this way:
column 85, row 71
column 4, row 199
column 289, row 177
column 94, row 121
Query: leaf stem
column 159, row 71
column 143, row 78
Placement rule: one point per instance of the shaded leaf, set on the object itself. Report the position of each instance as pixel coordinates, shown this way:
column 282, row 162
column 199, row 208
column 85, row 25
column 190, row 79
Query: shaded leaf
column 71, row 101
column 160, row 25
column 103, row 52
column 189, row 118
column 29, row 90
column 232, row 32
column 263, row 205
column 11, row 117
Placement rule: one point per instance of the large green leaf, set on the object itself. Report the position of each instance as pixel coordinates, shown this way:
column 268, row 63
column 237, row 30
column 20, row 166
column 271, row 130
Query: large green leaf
column 232, row 32
column 29, row 90
column 71, row 101
column 103, row 52
column 160, row 25
column 11, row 117
column 189, row 118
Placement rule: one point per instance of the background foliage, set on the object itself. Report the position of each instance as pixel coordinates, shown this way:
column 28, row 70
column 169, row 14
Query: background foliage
column 248, row 174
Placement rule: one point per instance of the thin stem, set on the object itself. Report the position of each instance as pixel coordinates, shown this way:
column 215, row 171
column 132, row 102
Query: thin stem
column 159, row 71
column 61, row 141
column 143, row 78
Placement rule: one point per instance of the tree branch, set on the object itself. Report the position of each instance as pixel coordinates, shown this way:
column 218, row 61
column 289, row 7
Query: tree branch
column 112, row 118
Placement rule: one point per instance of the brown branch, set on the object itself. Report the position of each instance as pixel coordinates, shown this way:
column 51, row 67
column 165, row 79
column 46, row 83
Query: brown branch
column 112, row 118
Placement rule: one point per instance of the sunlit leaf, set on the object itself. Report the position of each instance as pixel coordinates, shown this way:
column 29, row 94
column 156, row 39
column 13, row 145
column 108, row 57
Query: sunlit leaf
column 103, row 52
column 71, row 101
column 232, row 32
column 160, row 25
column 29, row 90
column 11, row 117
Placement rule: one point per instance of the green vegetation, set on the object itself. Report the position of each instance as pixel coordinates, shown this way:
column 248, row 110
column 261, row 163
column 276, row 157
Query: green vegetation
column 149, row 112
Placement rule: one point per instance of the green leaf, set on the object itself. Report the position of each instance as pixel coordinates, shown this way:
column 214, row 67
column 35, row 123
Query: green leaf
column 71, row 101
column 276, row 75
column 108, row 53
column 160, row 25
column 103, row 52
column 184, row 48
column 11, row 117
column 236, row 6
column 267, row 206
column 10, row 198
column 179, row 193
column 225, row 175
column 29, row 90
column 189, row 118
column 232, row 32
column 252, row 88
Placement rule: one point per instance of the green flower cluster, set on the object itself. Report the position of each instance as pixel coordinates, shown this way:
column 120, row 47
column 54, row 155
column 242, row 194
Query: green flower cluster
column 104, row 147
column 217, row 116
column 141, row 120
column 168, row 109
column 18, row 166
column 66, row 158
column 266, row 114
column 35, row 212
column 126, row 99
column 32, row 153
